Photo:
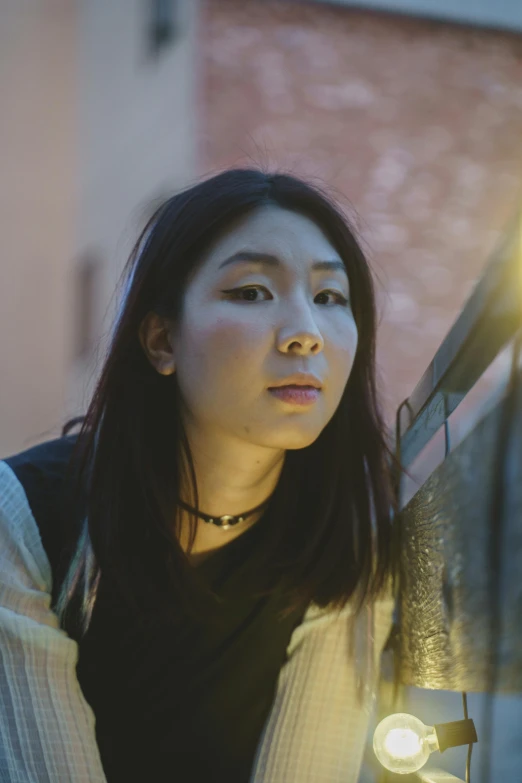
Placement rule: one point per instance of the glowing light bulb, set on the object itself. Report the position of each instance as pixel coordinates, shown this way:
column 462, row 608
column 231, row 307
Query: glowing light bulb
column 403, row 744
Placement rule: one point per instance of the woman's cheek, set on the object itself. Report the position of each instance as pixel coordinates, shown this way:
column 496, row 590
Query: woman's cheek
column 233, row 336
column 342, row 341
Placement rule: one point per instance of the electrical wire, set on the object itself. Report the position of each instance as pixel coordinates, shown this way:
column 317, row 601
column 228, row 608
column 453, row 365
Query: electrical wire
column 470, row 746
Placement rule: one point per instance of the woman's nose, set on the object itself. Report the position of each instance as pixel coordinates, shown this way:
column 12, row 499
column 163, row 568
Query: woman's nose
column 301, row 336
column 303, row 345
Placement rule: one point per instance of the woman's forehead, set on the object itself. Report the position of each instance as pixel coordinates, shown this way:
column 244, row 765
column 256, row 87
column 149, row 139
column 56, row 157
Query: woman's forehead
column 273, row 231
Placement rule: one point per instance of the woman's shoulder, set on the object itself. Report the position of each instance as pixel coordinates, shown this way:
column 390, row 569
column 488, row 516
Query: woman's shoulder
column 33, row 486
column 48, row 459
column 375, row 619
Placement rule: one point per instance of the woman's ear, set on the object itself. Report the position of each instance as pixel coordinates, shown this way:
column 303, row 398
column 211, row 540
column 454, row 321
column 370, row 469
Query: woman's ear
column 155, row 340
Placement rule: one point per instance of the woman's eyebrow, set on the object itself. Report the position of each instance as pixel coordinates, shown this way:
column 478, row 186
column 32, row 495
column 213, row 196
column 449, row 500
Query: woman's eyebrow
column 269, row 260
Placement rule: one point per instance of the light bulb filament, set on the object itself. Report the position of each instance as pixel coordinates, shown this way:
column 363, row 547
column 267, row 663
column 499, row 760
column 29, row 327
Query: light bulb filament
column 403, row 743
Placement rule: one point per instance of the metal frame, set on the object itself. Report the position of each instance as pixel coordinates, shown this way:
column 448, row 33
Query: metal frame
column 436, row 776
column 489, row 319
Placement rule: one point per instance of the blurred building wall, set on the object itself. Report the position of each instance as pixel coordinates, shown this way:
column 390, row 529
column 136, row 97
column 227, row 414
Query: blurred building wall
column 137, row 122
column 95, row 123
column 38, row 99
column 417, row 123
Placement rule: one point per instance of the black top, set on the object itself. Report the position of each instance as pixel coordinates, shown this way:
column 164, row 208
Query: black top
column 180, row 701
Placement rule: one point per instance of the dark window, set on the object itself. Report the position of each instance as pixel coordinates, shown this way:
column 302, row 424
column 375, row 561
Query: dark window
column 164, row 24
column 87, row 278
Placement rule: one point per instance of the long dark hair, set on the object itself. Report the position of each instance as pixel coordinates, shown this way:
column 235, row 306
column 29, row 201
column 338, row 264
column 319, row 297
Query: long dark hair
column 328, row 536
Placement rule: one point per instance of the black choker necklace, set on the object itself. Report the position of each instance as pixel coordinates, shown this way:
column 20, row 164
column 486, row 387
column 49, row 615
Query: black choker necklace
column 226, row 521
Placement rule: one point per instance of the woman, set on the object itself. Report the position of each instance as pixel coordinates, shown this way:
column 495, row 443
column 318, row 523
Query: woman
column 194, row 588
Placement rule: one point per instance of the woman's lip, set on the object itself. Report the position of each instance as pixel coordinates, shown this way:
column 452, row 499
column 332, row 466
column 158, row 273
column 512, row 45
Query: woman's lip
column 297, row 395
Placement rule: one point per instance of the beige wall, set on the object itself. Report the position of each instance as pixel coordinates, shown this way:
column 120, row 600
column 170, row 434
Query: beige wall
column 137, row 131
column 37, row 213
column 92, row 128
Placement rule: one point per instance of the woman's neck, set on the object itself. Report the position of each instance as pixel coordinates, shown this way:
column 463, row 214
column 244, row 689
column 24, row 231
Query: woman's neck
column 232, row 478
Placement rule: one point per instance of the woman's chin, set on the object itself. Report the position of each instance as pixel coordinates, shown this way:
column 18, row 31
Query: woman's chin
column 294, row 438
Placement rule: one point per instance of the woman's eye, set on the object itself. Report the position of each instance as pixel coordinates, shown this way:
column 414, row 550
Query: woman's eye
column 340, row 299
column 250, row 294
column 247, row 293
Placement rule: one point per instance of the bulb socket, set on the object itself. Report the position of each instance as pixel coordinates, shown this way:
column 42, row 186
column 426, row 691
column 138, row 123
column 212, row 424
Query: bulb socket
column 458, row 732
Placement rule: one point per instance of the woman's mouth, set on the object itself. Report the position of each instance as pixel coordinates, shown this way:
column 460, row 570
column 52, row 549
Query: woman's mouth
column 296, row 395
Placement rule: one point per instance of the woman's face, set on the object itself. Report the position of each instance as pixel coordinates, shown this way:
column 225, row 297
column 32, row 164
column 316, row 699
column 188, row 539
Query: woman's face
column 263, row 306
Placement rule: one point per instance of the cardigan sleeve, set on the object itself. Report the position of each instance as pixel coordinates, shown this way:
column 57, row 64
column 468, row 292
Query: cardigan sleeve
column 318, row 726
column 47, row 728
